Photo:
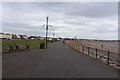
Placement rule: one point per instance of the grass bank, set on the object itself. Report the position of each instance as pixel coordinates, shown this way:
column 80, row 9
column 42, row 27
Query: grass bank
column 31, row 43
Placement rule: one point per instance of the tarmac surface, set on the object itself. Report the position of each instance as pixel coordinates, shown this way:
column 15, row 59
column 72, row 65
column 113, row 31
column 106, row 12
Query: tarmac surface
column 57, row 61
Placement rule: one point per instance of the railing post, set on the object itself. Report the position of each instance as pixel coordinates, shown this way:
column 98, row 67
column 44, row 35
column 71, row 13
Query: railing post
column 108, row 58
column 88, row 50
column 96, row 53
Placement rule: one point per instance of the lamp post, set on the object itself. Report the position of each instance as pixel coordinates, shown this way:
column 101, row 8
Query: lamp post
column 47, row 17
column 46, row 29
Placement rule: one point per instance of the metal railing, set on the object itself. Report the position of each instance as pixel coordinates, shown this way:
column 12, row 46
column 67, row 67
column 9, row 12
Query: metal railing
column 110, row 58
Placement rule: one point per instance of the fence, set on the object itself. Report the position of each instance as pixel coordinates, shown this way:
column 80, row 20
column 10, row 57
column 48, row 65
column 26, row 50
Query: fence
column 107, row 57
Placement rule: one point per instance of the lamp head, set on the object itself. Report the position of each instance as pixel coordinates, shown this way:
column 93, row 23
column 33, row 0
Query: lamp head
column 47, row 17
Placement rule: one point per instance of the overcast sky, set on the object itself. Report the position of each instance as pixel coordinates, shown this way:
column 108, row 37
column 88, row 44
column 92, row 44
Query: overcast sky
column 84, row 20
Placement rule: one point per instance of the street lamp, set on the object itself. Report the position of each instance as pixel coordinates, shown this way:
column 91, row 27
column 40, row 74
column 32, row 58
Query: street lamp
column 47, row 17
column 46, row 29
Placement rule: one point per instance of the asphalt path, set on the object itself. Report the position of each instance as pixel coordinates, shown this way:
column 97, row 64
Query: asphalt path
column 57, row 61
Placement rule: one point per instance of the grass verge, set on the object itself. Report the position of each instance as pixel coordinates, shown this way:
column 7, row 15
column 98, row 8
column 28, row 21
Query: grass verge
column 31, row 43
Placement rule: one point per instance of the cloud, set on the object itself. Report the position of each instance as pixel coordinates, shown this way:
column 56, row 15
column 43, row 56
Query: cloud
column 95, row 10
column 76, row 19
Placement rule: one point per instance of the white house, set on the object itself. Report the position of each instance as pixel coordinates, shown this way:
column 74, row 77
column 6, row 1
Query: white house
column 49, row 38
column 5, row 36
column 1, row 35
column 18, row 36
column 8, row 36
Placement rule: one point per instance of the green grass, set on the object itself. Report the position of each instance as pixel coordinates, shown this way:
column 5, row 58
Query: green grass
column 31, row 43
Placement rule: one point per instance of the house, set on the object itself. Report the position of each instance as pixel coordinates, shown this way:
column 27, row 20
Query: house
column 36, row 38
column 1, row 35
column 23, row 37
column 18, row 37
column 5, row 36
column 14, row 36
column 8, row 36
column 49, row 38
column 42, row 38
column 32, row 37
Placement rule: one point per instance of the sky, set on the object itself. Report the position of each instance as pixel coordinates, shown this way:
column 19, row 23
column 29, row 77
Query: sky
column 84, row 20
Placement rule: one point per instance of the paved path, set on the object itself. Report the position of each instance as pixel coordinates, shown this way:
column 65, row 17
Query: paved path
column 58, row 61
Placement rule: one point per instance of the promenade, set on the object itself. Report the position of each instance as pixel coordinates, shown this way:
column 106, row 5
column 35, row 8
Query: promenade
column 57, row 61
